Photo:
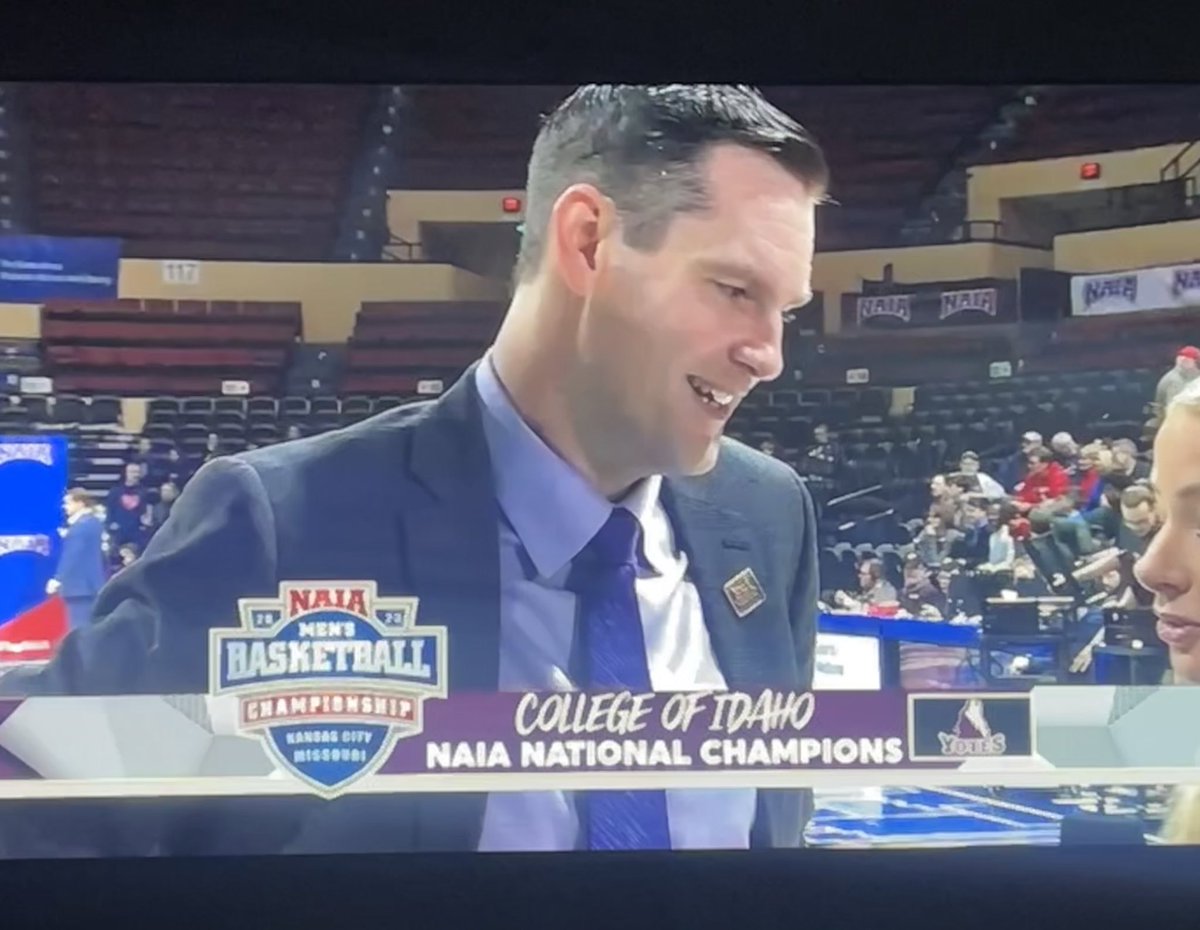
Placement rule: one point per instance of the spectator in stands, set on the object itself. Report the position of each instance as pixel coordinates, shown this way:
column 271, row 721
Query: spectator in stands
column 1066, row 452
column 920, row 595
column 1015, row 468
column 80, row 574
column 161, row 509
column 1001, row 548
column 972, row 544
column 212, row 448
column 144, row 457
column 174, row 468
column 1127, row 468
column 942, row 501
column 1094, row 458
column 1046, row 488
column 824, row 457
column 1186, row 370
column 128, row 554
column 874, row 589
column 1139, row 519
column 125, row 505
column 984, row 484
column 293, row 432
column 935, row 542
column 769, row 447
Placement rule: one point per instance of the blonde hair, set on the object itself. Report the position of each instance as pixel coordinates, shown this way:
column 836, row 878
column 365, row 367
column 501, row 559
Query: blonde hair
column 1188, row 398
column 1182, row 824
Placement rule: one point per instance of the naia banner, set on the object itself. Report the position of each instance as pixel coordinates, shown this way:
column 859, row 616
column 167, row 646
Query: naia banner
column 1172, row 287
column 970, row 303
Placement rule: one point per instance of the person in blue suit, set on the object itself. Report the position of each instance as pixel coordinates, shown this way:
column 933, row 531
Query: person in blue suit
column 669, row 231
column 81, row 573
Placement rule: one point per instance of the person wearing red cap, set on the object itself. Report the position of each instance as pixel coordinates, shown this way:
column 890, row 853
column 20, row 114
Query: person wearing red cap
column 1186, row 370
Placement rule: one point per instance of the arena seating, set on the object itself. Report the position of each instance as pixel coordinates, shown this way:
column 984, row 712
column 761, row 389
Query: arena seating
column 198, row 171
column 396, row 345
column 141, row 347
column 241, row 421
column 1082, row 119
column 890, row 145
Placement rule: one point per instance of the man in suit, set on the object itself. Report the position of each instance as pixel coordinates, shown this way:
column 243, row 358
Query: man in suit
column 668, row 232
column 81, row 573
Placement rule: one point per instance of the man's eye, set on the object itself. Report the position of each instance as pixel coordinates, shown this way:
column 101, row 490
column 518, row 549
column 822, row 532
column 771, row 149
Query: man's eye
column 733, row 291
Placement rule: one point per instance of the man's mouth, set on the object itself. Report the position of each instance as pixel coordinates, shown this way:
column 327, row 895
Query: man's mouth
column 719, row 400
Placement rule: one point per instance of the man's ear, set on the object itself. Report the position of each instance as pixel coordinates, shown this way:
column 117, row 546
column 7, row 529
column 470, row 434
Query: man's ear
column 580, row 222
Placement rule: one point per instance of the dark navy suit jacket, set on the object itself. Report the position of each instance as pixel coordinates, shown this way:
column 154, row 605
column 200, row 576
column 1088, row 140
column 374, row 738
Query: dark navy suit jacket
column 81, row 562
column 406, row 499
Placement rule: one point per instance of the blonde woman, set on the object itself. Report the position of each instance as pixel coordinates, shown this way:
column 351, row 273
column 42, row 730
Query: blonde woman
column 1170, row 569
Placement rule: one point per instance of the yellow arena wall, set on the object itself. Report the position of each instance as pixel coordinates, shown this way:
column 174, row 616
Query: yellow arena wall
column 1128, row 248
column 329, row 294
column 989, row 186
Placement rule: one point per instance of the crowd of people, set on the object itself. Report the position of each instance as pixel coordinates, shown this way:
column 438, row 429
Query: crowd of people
column 1053, row 519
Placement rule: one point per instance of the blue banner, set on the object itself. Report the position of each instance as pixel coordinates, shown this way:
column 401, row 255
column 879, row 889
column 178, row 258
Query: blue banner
column 38, row 268
column 33, row 480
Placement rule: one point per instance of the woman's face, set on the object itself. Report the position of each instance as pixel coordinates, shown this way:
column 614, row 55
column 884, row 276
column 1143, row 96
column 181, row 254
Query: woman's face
column 1171, row 566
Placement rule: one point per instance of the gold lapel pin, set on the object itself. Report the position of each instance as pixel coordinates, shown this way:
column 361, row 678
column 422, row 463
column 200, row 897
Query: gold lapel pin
column 744, row 593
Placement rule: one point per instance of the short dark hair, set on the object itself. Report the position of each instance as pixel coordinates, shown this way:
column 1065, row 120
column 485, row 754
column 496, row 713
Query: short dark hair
column 1041, row 454
column 80, row 496
column 969, row 457
column 642, row 145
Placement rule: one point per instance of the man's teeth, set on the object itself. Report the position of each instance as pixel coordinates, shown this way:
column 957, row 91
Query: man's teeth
column 710, row 394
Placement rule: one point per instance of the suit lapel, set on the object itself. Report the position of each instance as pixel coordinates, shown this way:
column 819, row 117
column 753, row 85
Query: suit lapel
column 750, row 650
column 449, row 531
column 754, row 650
column 451, row 561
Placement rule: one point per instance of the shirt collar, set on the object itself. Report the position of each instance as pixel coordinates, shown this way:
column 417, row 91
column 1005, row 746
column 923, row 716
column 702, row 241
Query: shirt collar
column 553, row 509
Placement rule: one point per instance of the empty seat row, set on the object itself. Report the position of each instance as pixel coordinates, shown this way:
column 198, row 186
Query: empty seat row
column 179, row 332
column 429, row 358
column 134, row 383
column 134, row 309
column 233, row 360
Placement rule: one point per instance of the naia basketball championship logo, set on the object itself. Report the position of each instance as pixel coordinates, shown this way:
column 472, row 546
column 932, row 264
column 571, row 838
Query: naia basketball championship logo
column 329, row 676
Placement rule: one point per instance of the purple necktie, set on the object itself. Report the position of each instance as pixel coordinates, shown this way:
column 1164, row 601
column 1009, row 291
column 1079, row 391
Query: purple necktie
column 614, row 658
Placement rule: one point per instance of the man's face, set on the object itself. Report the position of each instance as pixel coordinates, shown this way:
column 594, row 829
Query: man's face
column 168, row 492
column 1028, row 445
column 969, row 467
column 1123, row 459
column 700, row 315
column 821, row 435
column 993, row 518
column 71, row 506
column 767, row 447
column 143, row 446
column 1171, row 565
column 1141, row 520
column 133, row 474
column 1185, row 363
column 938, row 487
column 1036, row 466
column 212, row 442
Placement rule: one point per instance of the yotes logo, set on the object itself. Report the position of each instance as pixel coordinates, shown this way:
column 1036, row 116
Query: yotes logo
column 329, row 676
column 972, row 734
